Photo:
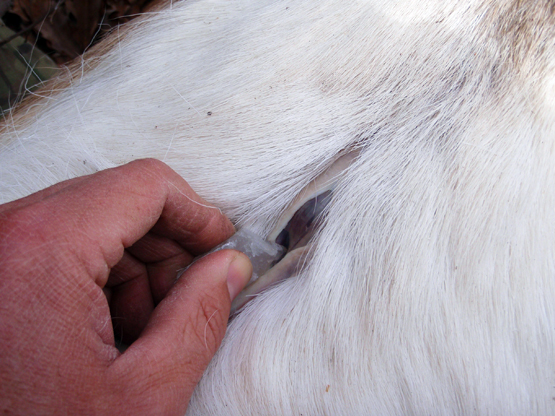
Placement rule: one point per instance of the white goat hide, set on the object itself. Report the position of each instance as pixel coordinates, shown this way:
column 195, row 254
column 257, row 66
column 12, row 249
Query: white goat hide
column 431, row 285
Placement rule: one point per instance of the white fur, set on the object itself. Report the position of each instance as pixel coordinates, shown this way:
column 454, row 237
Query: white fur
column 432, row 285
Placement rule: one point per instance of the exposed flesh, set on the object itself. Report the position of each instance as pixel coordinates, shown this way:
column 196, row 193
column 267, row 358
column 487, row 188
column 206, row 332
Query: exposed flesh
column 295, row 229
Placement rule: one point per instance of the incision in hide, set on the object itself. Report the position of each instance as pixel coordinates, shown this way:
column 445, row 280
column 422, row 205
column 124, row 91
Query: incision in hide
column 295, row 229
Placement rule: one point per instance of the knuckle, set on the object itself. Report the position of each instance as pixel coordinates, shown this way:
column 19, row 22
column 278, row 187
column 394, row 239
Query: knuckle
column 150, row 163
column 156, row 171
column 155, row 166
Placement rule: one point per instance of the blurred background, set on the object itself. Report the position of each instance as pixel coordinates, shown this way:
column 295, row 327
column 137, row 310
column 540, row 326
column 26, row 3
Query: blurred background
column 39, row 36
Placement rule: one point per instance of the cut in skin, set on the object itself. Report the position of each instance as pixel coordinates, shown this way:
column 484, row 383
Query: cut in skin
column 302, row 218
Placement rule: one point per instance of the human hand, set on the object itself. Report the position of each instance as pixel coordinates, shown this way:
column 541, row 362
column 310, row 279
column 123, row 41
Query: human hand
column 112, row 241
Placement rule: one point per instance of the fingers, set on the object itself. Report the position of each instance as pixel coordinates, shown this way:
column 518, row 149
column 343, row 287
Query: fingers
column 131, row 302
column 85, row 225
column 114, row 208
column 183, row 334
column 163, row 258
column 136, row 288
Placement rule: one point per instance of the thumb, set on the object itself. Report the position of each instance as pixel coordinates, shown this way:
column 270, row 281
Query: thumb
column 160, row 370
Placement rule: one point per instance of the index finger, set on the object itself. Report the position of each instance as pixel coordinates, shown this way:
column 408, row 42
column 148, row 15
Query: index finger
column 96, row 217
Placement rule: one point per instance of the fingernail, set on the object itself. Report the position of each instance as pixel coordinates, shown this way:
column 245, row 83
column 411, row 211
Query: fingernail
column 238, row 274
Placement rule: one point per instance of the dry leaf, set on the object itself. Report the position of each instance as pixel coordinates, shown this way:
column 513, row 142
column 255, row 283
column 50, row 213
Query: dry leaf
column 66, row 28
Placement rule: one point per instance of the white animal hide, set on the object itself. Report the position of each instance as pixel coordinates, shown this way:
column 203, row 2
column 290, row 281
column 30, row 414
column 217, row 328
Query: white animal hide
column 431, row 288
